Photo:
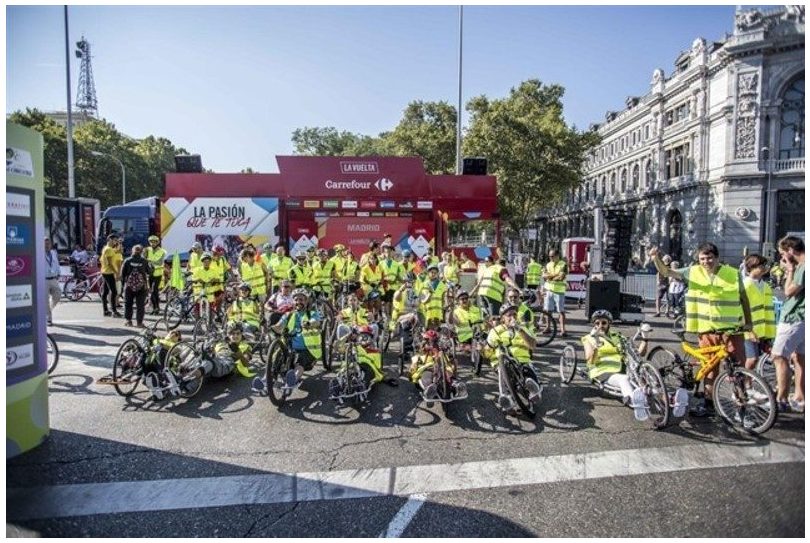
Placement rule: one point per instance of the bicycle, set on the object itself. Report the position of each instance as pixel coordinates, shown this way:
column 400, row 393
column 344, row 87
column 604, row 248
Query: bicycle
column 515, row 379
column 75, row 288
column 545, row 325
column 443, row 374
column 643, row 374
column 185, row 360
column 280, row 360
column 350, row 381
column 742, row 398
column 53, row 352
column 410, row 341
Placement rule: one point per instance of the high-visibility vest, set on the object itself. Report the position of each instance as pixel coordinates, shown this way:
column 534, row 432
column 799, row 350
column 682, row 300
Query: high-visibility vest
column 194, row 261
column 501, row 336
column 392, row 273
column 534, row 272
column 253, row 274
column 222, row 265
column 468, row 265
column 557, row 287
column 223, row 348
column 244, row 310
column 492, row 286
column 432, row 308
column 155, row 258
column 207, row 276
column 525, row 316
column 340, row 266
column 350, row 270
column 450, row 273
column 281, row 266
column 373, row 360
column 355, row 318
column 301, row 276
column 465, row 320
column 763, row 316
column 312, row 335
column 609, row 356
column 369, row 276
column 322, row 275
column 713, row 304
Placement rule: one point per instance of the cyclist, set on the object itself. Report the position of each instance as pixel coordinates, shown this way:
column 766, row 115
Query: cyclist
column 448, row 269
column 355, row 315
column 556, row 285
column 303, row 327
column 246, row 310
column 432, row 296
column 406, row 303
column 301, row 273
column 519, row 342
column 278, row 263
column 491, row 285
column 760, row 296
column 207, row 279
column 194, row 257
column 323, row 273
column 221, row 263
column 373, row 249
column 280, row 302
column 421, row 369
column 371, row 279
column 465, row 317
column 233, row 353
column 155, row 254
column 525, row 315
column 393, row 273
column 253, row 273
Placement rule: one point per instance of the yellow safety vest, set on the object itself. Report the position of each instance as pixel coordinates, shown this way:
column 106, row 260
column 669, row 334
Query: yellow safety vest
column 450, row 273
column 223, row 348
column 492, row 286
column 392, row 274
column 253, row 274
column 322, row 275
column 526, row 316
column 350, row 270
column 300, row 275
column 609, row 356
column 222, row 265
column 194, row 261
column 372, row 360
column 355, row 318
column 369, row 276
column 557, row 287
column 312, row 336
column 465, row 320
column 763, row 316
column 432, row 309
column 155, row 258
column 281, row 266
column 713, row 303
column 534, row 272
column 206, row 276
column 340, row 266
column 244, row 311
column 500, row 335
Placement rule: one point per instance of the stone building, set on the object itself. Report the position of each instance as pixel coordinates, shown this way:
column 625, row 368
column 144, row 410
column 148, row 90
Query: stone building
column 714, row 151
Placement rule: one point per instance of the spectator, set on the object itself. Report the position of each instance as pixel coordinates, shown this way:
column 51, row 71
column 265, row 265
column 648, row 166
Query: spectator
column 135, row 275
column 789, row 340
column 110, row 272
column 675, row 290
column 79, row 255
column 760, row 296
column 663, row 285
column 52, row 278
column 555, row 274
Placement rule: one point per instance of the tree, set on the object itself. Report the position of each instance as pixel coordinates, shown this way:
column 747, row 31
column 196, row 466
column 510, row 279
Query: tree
column 534, row 154
column 327, row 141
column 428, row 130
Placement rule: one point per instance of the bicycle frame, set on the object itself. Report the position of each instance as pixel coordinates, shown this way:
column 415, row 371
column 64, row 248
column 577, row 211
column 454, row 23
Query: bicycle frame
column 708, row 357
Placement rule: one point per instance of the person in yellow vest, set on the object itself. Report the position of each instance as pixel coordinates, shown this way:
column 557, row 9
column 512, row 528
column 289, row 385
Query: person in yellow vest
column 194, row 257
column 421, row 369
column 368, row 357
column 763, row 317
column 448, row 268
column 220, row 261
column 393, row 274
column 405, row 306
column 373, row 249
column 555, row 285
column 410, row 261
column 465, row 263
column 525, row 315
column 233, row 353
column 155, row 255
column 339, row 260
column 246, row 310
column 351, row 269
column 109, row 273
column 252, row 273
column 207, row 279
column 280, row 264
column 519, row 342
column 716, row 306
column 371, row 279
column 323, row 272
column 432, row 297
column 492, row 284
column 534, row 275
column 430, row 257
column 466, row 318
column 301, row 274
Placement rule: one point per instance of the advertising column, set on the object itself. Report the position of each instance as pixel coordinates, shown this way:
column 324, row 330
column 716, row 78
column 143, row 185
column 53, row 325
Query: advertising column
column 26, row 354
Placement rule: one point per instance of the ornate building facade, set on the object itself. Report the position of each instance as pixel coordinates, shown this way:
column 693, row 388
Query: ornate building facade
column 713, row 152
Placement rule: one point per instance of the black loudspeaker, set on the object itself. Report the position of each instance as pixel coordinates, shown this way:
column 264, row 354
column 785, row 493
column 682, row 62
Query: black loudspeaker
column 474, row 166
column 188, row 164
column 602, row 295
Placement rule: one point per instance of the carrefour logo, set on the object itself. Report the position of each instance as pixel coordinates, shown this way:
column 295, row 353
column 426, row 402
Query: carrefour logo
column 384, row 184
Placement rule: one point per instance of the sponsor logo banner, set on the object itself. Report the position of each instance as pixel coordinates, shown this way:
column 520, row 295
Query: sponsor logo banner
column 18, row 296
column 18, row 205
column 19, row 326
column 349, row 204
column 421, row 204
column 368, row 205
column 330, row 204
column 19, row 356
column 312, row 204
column 293, row 203
column 387, row 205
column 19, row 266
column 406, row 205
column 391, row 214
column 363, row 214
column 357, row 166
column 19, row 162
column 384, row 184
column 377, row 214
column 17, row 235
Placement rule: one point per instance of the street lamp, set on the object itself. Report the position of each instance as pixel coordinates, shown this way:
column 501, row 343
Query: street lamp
column 123, row 174
column 766, row 242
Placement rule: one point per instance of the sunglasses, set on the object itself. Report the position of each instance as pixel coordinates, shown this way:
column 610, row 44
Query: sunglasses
column 602, row 323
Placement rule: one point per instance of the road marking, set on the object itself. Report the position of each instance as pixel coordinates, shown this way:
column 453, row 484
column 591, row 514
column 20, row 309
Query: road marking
column 170, row 494
column 404, row 516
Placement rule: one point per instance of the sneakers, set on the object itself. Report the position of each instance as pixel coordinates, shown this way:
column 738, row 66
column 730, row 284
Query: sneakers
column 795, row 405
column 128, row 323
column 702, row 410
column 640, row 409
column 430, row 392
column 756, row 397
column 747, row 420
column 290, row 379
column 679, row 402
column 782, row 407
column 535, row 391
column 505, row 402
column 258, row 385
column 460, row 389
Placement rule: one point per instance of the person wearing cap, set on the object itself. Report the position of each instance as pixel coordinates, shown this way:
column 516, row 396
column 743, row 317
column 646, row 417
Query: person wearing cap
column 194, row 257
column 323, row 272
column 280, row 264
column 432, row 296
column 422, row 365
column 110, row 271
column 246, row 309
column 393, row 273
column 301, row 273
column 155, row 255
column 355, row 315
column 492, row 286
column 465, row 318
column 519, row 342
column 252, row 273
column 339, row 260
column 206, row 278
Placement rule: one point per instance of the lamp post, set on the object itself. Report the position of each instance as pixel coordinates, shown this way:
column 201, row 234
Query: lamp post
column 767, row 245
column 123, row 174
column 458, row 113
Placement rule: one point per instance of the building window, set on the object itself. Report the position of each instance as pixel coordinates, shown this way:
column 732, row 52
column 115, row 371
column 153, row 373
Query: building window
column 677, row 161
column 791, row 130
column 612, row 184
column 635, row 177
column 648, row 173
column 647, row 131
column 624, row 181
column 602, row 185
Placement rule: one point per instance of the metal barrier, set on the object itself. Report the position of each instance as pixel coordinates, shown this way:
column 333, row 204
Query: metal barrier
column 642, row 284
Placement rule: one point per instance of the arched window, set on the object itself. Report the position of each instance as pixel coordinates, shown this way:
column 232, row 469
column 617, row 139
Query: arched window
column 603, row 186
column 791, row 117
column 648, row 173
column 635, row 177
column 612, row 184
column 624, row 181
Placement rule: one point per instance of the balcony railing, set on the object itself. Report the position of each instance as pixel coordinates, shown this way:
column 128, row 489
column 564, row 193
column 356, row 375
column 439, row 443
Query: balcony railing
column 788, row 164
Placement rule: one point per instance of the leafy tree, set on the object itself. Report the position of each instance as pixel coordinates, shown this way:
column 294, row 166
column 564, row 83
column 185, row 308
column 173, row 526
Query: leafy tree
column 327, row 141
column 534, row 154
column 428, row 130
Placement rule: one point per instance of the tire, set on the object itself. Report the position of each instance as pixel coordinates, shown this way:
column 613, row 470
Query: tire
column 183, row 361
column 668, row 365
column 762, row 413
column 516, row 388
column 74, row 290
column 767, row 370
column 568, row 363
column 275, row 371
column 53, row 353
column 326, row 344
column 657, row 394
column 201, row 331
column 128, row 364
column 173, row 312
column 546, row 328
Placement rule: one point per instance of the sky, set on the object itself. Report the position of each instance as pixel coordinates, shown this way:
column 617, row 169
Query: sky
column 233, row 83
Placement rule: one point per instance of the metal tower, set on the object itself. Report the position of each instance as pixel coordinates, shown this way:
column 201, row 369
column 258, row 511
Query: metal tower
column 86, row 97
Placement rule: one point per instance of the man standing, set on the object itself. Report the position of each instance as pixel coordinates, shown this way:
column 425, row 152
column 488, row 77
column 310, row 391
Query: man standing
column 51, row 278
column 491, row 286
column 790, row 330
column 716, row 305
column 556, row 285
column 155, row 254
column 135, row 274
column 110, row 272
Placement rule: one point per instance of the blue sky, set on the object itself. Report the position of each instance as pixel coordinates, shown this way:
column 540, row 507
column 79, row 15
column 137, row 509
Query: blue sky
column 233, row 83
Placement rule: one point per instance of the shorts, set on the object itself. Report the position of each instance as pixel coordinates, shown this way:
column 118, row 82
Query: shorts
column 789, row 339
column 752, row 349
column 735, row 344
column 554, row 302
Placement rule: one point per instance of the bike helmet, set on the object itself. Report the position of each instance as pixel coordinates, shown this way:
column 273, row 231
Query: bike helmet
column 365, row 329
column 433, row 267
column 196, row 245
column 462, row 294
column 602, row 314
column 508, row 308
column 430, row 335
column 206, row 255
column 406, row 253
column 244, row 286
column 267, row 247
column 300, row 292
column 301, row 256
column 153, row 238
column 323, row 252
column 235, row 327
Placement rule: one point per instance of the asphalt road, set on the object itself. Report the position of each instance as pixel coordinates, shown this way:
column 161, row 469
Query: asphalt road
column 229, row 463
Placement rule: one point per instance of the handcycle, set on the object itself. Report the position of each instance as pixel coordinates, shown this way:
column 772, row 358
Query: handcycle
column 443, row 371
column 410, row 338
column 280, row 359
column 187, row 306
column 515, row 375
column 642, row 374
column 742, row 398
column 352, row 380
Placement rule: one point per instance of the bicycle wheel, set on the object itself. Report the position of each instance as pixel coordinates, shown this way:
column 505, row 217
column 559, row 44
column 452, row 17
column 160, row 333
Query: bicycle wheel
column 74, row 290
column 326, row 345
column 201, row 330
column 657, row 395
column 515, row 381
column 745, row 401
column 174, row 312
column 669, row 366
column 767, row 370
column 568, row 363
column 546, row 328
column 183, row 361
column 53, row 353
column 128, row 367
column 275, row 372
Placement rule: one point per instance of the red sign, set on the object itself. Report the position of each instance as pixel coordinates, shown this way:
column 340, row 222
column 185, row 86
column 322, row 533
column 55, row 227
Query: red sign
column 357, row 232
column 368, row 205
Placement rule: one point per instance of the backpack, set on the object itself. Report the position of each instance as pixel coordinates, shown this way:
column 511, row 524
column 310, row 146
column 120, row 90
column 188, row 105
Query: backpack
column 135, row 281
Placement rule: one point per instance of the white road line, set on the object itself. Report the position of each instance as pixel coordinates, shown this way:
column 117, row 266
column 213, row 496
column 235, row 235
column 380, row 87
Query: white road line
column 404, row 516
column 169, row 494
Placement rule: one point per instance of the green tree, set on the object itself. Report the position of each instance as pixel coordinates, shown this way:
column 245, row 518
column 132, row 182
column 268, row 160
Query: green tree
column 534, row 154
column 428, row 130
column 327, row 141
